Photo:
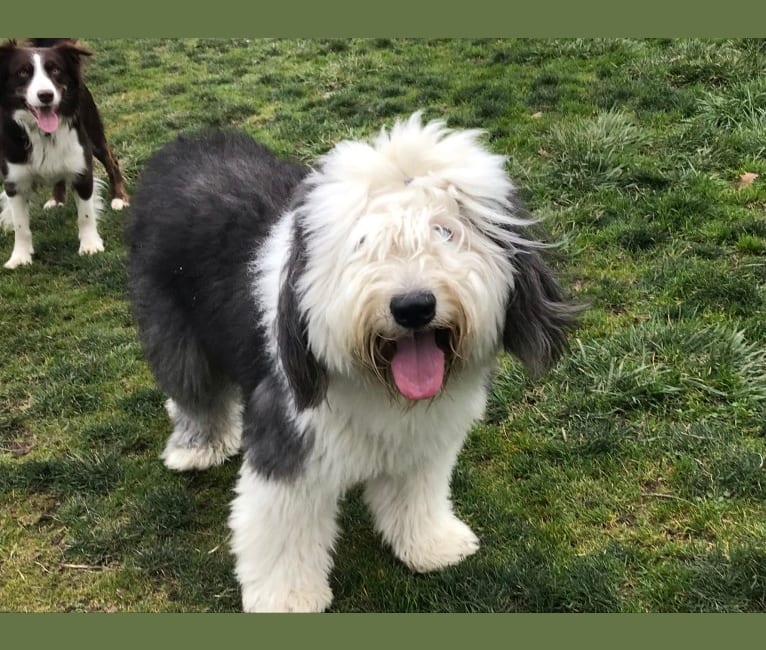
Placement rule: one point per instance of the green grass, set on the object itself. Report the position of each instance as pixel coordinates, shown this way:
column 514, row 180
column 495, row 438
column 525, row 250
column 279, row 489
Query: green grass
column 631, row 478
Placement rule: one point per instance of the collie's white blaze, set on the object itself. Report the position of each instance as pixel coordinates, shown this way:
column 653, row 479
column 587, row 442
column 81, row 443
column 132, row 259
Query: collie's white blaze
column 41, row 82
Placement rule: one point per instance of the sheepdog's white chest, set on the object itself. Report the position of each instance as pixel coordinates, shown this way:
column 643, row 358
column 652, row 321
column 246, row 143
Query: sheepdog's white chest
column 361, row 433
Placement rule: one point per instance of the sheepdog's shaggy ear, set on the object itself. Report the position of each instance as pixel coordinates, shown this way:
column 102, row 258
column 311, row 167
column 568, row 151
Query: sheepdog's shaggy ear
column 538, row 316
column 306, row 376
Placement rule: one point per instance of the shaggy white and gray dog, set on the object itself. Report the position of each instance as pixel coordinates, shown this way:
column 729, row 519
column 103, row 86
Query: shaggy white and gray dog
column 341, row 325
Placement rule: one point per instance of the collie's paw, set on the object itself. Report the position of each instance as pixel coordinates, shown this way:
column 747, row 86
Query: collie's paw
column 18, row 259
column 90, row 245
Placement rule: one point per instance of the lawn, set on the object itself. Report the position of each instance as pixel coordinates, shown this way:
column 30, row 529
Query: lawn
column 631, row 478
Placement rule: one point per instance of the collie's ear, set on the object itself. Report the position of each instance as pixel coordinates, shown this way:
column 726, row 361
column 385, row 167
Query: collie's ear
column 74, row 54
column 6, row 49
column 305, row 374
column 72, row 48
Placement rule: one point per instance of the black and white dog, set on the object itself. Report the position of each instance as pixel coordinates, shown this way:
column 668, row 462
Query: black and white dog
column 342, row 325
column 47, row 118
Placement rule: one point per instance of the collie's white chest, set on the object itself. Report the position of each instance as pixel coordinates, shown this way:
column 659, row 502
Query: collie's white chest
column 53, row 157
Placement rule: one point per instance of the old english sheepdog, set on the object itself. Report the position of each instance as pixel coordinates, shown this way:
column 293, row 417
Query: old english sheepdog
column 341, row 325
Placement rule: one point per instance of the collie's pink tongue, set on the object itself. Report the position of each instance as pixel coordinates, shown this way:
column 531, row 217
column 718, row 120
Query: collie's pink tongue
column 47, row 120
column 418, row 366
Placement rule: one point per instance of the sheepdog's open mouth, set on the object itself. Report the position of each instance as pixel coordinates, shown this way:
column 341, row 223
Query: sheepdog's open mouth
column 46, row 116
column 417, row 364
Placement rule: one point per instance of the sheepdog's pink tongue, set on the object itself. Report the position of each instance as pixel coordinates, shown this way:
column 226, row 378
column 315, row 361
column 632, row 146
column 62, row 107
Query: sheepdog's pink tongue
column 418, row 366
column 47, row 120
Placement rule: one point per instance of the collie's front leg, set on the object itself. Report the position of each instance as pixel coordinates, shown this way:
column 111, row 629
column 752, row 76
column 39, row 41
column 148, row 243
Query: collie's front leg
column 16, row 204
column 87, row 216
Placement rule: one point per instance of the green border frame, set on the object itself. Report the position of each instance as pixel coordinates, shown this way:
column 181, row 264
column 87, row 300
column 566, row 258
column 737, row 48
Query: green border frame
column 370, row 631
column 344, row 18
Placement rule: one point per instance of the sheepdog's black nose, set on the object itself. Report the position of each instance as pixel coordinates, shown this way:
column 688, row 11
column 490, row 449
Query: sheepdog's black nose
column 413, row 310
column 45, row 96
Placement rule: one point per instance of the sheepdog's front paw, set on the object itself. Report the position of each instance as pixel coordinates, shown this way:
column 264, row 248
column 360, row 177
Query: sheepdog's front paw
column 447, row 543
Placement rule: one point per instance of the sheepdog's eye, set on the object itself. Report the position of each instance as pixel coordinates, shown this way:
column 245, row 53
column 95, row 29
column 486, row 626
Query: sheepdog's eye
column 24, row 73
column 53, row 70
column 443, row 231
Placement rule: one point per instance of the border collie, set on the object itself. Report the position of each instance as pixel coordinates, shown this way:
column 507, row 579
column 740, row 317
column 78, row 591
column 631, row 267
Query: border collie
column 94, row 127
column 45, row 110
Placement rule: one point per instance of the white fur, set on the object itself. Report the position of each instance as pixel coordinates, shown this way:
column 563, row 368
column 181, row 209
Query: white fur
column 282, row 536
column 53, row 157
column 181, row 459
column 378, row 219
column 87, row 215
column 267, row 270
column 22, row 235
column 390, row 202
column 199, row 445
column 283, row 532
column 6, row 220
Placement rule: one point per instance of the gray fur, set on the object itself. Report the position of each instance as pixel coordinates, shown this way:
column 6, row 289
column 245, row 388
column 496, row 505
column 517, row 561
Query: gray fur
column 276, row 447
column 217, row 426
column 538, row 317
column 203, row 207
column 305, row 374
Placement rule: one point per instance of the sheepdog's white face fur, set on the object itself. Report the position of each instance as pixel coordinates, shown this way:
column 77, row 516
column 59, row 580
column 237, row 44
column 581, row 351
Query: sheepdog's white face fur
column 420, row 210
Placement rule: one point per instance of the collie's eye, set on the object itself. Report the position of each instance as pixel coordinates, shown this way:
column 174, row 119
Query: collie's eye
column 23, row 73
column 443, row 231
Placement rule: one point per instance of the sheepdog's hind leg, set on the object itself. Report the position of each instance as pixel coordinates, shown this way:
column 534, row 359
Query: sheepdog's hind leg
column 204, row 435
column 205, row 408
